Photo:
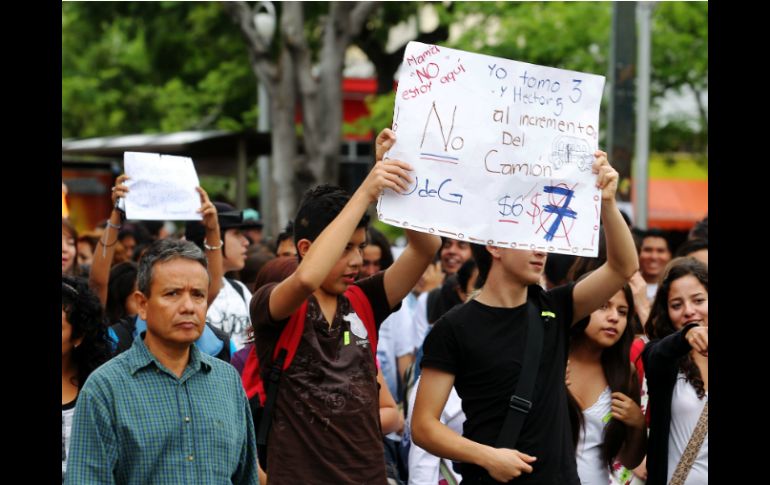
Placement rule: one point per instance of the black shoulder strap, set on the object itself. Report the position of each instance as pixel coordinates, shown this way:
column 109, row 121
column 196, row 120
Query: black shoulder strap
column 237, row 288
column 223, row 354
column 521, row 400
column 124, row 330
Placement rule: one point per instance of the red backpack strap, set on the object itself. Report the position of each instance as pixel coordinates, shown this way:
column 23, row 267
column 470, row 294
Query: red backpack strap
column 363, row 309
column 252, row 381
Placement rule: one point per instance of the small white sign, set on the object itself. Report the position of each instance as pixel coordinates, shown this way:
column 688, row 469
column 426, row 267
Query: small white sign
column 161, row 187
column 501, row 150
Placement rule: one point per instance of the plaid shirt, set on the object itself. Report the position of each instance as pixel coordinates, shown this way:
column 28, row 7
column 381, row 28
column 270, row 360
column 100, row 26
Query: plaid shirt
column 136, row 422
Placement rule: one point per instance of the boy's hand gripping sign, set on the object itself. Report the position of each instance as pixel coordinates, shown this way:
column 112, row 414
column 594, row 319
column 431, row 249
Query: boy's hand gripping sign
column 501, row 150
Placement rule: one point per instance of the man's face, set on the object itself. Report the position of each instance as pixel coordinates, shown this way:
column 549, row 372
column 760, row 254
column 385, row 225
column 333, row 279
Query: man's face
column 345, row 272
column 286, row 248
column 523, row 266
column 175, row 310
column 236, row 245
column 653, row 257
column 453, row 255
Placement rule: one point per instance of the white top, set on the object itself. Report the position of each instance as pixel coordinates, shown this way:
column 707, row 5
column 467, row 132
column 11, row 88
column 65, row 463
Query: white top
column 420, row 324
column 652, row 288
column 424, row 467
column 229, row 312
column 590, row 465
column 685, row 411
column 66, row 431
column 394, row 340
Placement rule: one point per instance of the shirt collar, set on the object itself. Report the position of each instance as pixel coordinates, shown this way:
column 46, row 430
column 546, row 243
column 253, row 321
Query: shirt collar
column 141, row 357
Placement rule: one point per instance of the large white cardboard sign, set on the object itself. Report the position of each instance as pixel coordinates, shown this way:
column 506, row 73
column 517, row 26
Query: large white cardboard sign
column 501, row 150
column 161, row 187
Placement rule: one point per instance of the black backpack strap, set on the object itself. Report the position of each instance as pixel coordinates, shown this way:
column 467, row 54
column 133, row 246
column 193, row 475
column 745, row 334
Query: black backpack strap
column 271, row 379
column 124, row 330
column 521, row 400
column 223, row 354
column 236, row 287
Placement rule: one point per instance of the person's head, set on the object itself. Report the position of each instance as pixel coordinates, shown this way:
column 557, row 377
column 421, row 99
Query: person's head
column 453, row 254
column 524, row 266
column 653, row 255
column 127, row 239
column 120, row 292
column 252, row 226
column 256, row 257
column 557, row 267
column 377, row 255
column 231, row 228
column 84, row 341
column 608, row 330
column 86, row 245
column 172, row 283
column 700, row 230
column 319, row 207
column 695, row 248
column 69, row 249
column 682, row 298
column 284, row 243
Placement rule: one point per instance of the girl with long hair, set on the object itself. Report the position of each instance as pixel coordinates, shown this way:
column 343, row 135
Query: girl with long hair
column 84, row 347
column 607, row 422
column 676, row 366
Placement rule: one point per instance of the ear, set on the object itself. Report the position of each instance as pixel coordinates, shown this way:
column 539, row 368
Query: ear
column 494, row 251
column 303, row 246
column 141, row 303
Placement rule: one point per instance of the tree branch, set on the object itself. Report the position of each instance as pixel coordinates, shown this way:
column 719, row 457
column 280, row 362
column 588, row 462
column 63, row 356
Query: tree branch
column 243, row 17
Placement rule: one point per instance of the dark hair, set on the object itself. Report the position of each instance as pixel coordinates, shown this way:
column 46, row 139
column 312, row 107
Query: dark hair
column 690, row 246
column 164, row 250
column 483, row 261
column 287, row 233
column 120, row 287
column 655, row 233
column 378, row 239
column 700, row 230
column 319, row 207
column 84, row 314
column 557, row 267
column 66, row 226
column 620, row 375
column 659, row 323
column 256, row 257
column 464, row 274
column 274, row 271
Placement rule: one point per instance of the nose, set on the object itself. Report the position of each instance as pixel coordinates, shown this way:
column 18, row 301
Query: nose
column 187, row 303
column 689, row 309
column 356, row 259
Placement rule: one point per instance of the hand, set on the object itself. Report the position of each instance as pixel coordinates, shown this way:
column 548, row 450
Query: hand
column 626, row 410
column 607, row 178
column 698, row 338
column 388, row 174
column 505, row 464
column 431, row 278
column 638, row 287
column 209, row 212
column 384, row 141
column 120, row 189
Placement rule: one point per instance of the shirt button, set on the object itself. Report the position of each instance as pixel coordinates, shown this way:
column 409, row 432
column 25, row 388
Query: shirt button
column 187, row 419
column 190, row 458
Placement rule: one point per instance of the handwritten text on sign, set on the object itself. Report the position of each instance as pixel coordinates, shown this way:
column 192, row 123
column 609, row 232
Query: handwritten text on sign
column 502, row 151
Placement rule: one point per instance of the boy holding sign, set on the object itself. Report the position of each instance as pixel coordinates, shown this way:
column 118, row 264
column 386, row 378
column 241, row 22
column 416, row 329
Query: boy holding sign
column 325, row 425
column 479, row 348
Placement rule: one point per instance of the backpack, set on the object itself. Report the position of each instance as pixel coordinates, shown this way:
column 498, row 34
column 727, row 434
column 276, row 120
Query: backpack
column 261, row 381
column 125, row 327
column 236, row 287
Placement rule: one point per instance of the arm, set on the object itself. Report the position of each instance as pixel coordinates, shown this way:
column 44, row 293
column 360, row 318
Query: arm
column 323, row 253
column 390, row 419
column 93, row 452
column 214, row 256
column 634, row 445
column 406, row 271
column 641, row 303
column 430, row 433
column 622, row 260
column 662, row 353
column 99, row 277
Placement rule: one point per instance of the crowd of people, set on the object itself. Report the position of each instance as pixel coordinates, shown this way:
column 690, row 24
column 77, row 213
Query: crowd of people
column 326, row 355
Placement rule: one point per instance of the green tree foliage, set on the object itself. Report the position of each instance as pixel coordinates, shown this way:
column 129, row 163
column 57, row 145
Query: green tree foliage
column 144, row 67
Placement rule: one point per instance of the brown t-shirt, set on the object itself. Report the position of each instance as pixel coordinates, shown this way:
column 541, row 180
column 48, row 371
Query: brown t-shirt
column 326, row 423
